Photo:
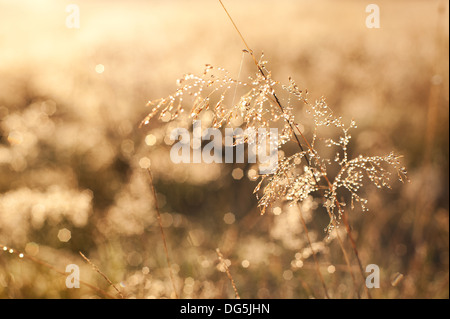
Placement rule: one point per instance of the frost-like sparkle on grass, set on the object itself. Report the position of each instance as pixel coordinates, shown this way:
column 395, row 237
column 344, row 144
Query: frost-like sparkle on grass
column 299, row 175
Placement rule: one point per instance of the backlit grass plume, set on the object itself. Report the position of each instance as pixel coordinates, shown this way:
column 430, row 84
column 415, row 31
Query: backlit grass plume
column 322, row 166
column 299, row 175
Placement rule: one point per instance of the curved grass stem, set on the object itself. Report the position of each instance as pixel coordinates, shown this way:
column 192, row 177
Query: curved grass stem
column 166, row 251
column 316, row 263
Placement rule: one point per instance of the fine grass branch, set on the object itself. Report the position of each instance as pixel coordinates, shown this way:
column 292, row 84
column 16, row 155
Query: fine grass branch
column 227, row 271
column 40, row 262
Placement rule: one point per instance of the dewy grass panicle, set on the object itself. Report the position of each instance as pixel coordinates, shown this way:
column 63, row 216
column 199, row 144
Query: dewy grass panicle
column 336, row 181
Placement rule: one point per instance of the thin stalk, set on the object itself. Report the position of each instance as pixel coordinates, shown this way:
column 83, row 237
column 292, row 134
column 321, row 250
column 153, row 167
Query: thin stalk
column 355, row 250
column 227, row 270
column 51, row 267
column 166, row 251
column 313, row 253
column 347, row 260
column 101, row 274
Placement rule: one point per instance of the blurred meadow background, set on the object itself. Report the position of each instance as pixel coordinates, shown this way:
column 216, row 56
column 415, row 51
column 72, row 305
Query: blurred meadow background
column 73, row 158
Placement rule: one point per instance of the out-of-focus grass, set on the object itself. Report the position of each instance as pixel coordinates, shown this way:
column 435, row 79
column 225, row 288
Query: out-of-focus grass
column 71, row 151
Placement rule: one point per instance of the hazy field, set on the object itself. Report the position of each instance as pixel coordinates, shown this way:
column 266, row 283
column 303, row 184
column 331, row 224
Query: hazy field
column 72, row 153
